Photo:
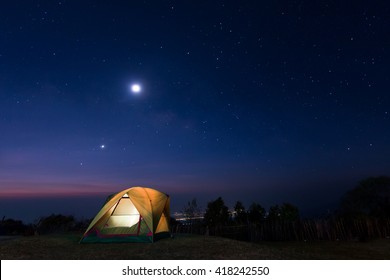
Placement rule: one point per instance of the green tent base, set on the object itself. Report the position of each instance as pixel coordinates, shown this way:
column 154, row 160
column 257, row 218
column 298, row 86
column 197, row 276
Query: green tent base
column 95, row 238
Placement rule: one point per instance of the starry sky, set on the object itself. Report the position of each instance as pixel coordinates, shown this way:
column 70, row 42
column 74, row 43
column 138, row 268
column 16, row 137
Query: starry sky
column 265, row 101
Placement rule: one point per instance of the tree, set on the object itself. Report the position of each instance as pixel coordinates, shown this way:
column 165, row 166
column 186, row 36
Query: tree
column 12, row 227
column 289, row 212
column 274, row 213
column 286, row 212
column 370, row 198
column 241, row 215
column 55, row 223
column 216, row 215
column 256, row 213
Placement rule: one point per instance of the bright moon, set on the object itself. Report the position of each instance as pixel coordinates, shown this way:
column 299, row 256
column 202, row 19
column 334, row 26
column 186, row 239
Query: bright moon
column 136, row 88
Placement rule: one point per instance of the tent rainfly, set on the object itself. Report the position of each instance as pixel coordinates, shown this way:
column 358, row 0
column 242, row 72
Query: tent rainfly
column 133, row 215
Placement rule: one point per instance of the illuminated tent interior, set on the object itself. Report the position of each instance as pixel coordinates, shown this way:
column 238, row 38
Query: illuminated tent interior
column 133, row 215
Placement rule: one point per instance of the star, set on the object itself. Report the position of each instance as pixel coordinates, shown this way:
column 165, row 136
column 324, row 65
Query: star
column 102, row 146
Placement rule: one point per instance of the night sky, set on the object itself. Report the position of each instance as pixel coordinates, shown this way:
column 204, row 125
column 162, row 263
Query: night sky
column 265, row 101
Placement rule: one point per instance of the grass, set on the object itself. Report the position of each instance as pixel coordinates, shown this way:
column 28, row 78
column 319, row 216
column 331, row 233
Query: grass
column 66, row 247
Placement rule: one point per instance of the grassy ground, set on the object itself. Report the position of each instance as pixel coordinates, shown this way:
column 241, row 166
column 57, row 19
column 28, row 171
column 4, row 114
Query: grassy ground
column 188, row 247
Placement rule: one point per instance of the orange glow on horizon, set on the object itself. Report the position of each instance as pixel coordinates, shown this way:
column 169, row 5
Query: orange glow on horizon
column 20, row 189
column 43, row 194
column 36, row 190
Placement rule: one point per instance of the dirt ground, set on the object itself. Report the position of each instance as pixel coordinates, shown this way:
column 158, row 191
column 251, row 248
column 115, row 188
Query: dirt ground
column 66, row 247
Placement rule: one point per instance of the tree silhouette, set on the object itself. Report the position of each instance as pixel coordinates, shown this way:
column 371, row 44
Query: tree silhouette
column 216, row 215
column 55, row 223
column 256, row 213
column 289, row 212
column 286, row 212
column 241, row 215
column 274, row 213
column 370, row 198
column 12, row 227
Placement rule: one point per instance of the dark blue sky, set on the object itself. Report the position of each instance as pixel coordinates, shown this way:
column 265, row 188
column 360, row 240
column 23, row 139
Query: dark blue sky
column 265, row 101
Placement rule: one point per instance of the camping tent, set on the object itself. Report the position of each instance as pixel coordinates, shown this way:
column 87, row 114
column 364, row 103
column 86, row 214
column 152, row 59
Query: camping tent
column 133, row 215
